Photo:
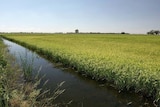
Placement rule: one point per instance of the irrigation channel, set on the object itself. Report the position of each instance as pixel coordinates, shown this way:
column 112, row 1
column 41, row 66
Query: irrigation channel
column 84, row 92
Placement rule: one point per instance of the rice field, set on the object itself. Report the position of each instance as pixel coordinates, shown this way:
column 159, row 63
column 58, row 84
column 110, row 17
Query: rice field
column 130, row 62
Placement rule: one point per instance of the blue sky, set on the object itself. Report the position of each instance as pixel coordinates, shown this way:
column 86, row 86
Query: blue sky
column 132, row 16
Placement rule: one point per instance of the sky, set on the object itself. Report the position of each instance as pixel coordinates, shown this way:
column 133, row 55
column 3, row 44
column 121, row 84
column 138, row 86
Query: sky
column 107, row 16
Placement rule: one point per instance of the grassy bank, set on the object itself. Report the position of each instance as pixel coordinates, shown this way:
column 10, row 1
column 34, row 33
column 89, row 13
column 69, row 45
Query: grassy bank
column 17, row 89
column 3, row 82
column 130, row 62
column 9, row 76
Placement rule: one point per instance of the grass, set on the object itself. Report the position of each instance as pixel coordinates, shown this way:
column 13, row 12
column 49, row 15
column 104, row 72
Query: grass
column 18, row 91
column 3, row 81
column 130, row 62
column 27, row 67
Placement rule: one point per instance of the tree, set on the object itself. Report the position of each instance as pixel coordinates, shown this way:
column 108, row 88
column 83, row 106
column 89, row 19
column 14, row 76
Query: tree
column 76, row 31
column 150, row 32
column 154, row 32
column 157, row 32
column 123, row 33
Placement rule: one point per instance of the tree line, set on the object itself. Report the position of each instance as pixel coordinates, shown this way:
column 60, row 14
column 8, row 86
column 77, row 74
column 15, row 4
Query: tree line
column 154, row 32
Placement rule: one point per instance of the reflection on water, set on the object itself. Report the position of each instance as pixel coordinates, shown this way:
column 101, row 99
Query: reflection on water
column 82, row 91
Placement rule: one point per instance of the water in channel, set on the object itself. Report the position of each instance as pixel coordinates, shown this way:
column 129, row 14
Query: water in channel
column 83, row 91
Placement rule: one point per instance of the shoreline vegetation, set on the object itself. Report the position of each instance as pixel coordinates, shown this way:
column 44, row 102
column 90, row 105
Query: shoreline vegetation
column 16, row 87
column 128, row 62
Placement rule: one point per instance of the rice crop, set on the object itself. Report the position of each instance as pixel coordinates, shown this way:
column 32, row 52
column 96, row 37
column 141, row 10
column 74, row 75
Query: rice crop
column 130, row 62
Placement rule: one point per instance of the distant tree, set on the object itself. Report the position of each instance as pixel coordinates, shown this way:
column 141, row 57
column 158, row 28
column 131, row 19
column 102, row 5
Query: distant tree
column 150, row 33
column 123, row 33
column 76, row 31
column 157, row 32
column 154, row 32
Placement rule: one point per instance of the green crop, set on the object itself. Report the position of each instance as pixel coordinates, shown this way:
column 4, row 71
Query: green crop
column 127, row 61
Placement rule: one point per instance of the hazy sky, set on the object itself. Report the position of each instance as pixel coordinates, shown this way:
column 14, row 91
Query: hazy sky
column 132, row 16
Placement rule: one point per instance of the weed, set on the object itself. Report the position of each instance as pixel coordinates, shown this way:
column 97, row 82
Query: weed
column 14, row 92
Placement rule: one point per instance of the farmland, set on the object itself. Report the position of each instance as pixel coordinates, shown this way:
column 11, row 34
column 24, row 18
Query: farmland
column 130, row 62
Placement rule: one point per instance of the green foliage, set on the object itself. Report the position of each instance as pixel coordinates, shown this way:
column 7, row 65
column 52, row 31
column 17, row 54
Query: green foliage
column 154, row 32
column 128, row 61
column 27, row 68
column 4, row 92
column 15, row 92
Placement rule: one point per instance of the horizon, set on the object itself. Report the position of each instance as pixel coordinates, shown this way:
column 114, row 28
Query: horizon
column 105, row 16
column 74, row 32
